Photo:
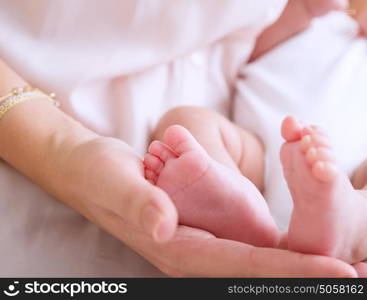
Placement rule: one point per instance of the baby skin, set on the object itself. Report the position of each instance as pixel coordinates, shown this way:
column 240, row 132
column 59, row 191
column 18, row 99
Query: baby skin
column 329, row 215
column 207, row 194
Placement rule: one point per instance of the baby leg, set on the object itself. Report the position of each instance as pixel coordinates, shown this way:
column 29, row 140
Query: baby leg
column 201, row 169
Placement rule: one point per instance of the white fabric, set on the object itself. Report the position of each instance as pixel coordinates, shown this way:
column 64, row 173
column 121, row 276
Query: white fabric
column 318, row 76
column 116, row 67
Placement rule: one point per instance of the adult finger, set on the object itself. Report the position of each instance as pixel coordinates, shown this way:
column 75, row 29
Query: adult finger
column 361, row 269
column 197, row 253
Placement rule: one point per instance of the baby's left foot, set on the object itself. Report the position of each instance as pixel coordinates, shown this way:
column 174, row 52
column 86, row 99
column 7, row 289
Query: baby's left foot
column 206, row 193
column 329, row 215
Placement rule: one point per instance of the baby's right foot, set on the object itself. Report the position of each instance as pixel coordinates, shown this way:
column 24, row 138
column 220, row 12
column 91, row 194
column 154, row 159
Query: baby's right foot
column 329, row 215
column 207, row 194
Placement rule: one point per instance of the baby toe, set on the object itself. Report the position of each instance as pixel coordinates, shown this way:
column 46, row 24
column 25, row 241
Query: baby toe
column 306, row 143
column 324, row 171
column 314, row 154
column 291, row 129
column 314, row 140
column 313, row 129
column 162, row 151
column 151, row 176
column 320, row 140
column 317, row 133
column 325, row 154
column 153, row 163
column 311, row 155
column 180, row 140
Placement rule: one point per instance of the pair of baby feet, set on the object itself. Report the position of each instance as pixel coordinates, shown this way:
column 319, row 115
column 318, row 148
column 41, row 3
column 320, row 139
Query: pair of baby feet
column 327, row 215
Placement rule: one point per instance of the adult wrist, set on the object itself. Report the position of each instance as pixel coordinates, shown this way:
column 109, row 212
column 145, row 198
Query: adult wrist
column 62, row 144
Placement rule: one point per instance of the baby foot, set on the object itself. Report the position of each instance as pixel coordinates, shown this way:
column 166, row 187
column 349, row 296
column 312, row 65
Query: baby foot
column 207, row 194
column 329, row 215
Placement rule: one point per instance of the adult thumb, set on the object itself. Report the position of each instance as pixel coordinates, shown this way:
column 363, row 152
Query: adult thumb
column 155, row 213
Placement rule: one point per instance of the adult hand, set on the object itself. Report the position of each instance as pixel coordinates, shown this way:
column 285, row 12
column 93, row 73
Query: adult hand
column 117, row 198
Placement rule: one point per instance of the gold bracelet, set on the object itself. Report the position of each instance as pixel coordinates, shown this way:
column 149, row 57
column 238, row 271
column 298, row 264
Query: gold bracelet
column 20, row 90
column 19, row 95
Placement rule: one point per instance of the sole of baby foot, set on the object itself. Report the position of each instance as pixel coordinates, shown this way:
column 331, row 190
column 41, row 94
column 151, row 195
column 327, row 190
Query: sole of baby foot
column 329, row 215
column 207, row 194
